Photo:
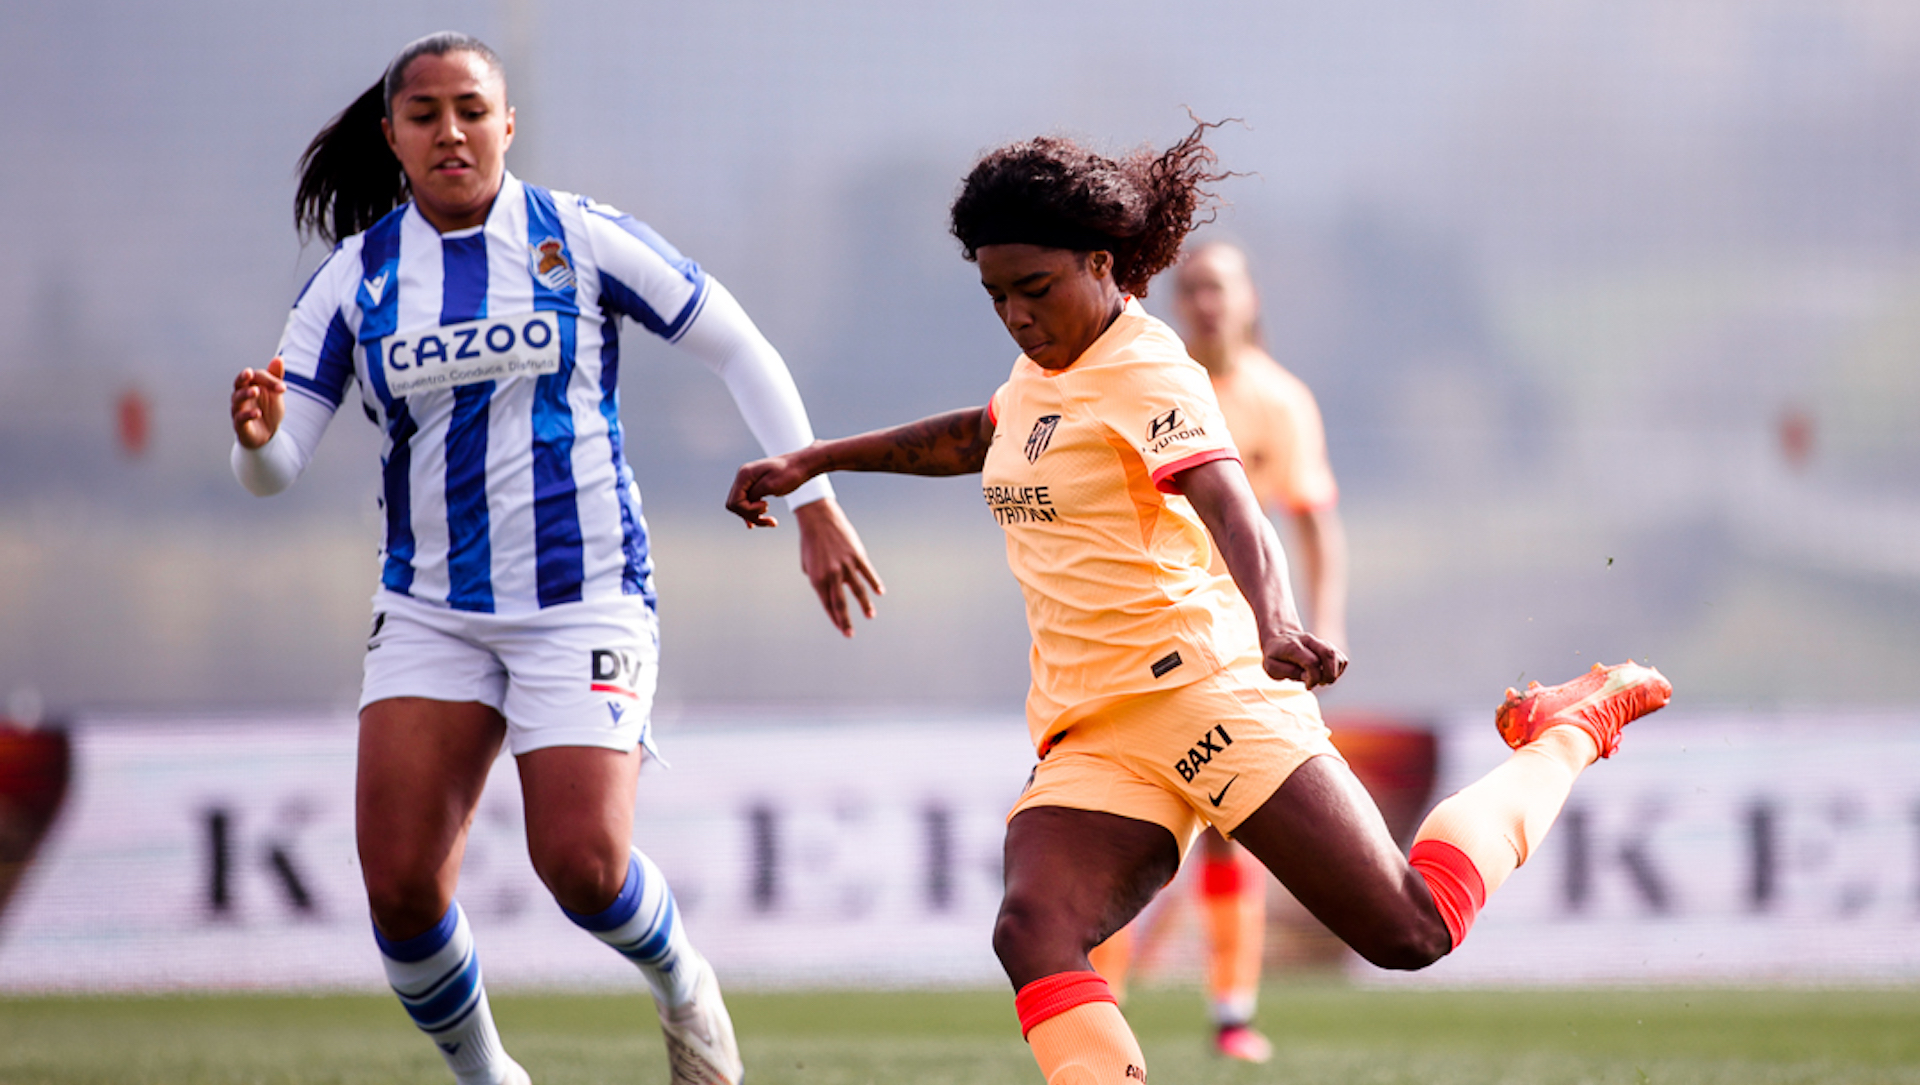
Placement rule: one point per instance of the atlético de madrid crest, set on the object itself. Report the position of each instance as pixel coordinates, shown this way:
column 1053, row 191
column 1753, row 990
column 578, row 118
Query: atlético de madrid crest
column 1042, row 436
column 547, row 259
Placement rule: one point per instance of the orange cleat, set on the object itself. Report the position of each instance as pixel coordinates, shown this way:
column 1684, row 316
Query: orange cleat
column 1599, row 702
column 1243, row 1042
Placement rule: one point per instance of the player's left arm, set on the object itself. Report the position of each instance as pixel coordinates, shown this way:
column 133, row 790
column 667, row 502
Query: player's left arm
column 831, row 553
column 1247, row 543
column 647, row 279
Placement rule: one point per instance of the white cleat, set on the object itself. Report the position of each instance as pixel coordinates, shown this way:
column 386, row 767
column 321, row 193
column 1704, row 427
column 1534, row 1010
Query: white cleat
column 700, row 1045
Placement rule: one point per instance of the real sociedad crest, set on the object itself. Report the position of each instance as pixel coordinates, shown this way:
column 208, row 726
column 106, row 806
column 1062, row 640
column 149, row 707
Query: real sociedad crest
column 548, row 261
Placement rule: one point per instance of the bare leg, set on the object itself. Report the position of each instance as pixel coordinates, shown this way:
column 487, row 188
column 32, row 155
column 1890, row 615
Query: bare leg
column 579, row 802
column 1325, row 840
column 421, row 768
column 1073, row 878
column 580, row 837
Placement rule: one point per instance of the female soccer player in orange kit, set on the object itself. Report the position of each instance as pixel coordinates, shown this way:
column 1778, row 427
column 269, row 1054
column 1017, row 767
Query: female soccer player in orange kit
column 1275, row 424
column 1166, row 696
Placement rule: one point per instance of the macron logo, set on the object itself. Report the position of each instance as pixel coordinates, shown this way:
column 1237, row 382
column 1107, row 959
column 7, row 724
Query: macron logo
column 376, row 287
column 616, row 712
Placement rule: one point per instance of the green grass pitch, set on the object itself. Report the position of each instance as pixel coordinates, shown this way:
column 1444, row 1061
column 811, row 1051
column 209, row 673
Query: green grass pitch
column 1325, row 1033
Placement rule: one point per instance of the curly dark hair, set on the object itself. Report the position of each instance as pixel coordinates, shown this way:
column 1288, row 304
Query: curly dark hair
column 1053, row 192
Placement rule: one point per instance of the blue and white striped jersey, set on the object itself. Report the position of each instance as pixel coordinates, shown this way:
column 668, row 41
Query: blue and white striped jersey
column 489, row 358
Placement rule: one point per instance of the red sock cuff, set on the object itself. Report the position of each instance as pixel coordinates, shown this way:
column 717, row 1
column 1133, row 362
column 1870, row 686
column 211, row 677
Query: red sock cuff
column 1051, row 996
column 1458, row 889
column 1222, row 877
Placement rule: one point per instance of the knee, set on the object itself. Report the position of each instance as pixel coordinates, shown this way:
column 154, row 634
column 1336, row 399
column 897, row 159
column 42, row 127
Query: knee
column 1033, row 940
column 1409, row 947
column 404, row 903
column 583, row 878
column 1013, row 935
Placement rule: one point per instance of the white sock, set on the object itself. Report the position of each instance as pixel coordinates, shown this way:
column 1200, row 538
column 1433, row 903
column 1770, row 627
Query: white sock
column 643, row 924
column 1497, row 820
column 437, row 976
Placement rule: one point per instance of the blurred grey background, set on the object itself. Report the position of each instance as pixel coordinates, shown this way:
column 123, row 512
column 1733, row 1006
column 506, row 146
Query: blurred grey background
column 1613, row 308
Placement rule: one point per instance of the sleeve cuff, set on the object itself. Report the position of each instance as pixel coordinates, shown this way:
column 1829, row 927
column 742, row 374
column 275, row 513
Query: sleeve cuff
column 1163, row 475
column 810, row 491
column 269, row 469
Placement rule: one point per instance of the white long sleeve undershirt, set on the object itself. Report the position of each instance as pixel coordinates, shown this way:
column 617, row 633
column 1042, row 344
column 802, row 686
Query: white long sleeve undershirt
column 272, row 467
column 725, row 338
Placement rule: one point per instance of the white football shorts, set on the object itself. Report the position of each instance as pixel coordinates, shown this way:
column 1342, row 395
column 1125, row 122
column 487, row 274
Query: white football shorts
column 577, row 674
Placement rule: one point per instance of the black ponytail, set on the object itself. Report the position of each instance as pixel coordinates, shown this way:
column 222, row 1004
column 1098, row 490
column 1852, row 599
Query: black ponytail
column 348, row 175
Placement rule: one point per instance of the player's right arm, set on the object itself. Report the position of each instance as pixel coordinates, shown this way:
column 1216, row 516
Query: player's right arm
column 1225, row 503
column 259, row 403
column 280, row 412
column 954, row 443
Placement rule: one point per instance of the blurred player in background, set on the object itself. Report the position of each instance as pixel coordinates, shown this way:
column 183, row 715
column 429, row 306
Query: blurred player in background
column 1283, row 448
column 476, row 317
column 1273, row 419
column 1167, row 695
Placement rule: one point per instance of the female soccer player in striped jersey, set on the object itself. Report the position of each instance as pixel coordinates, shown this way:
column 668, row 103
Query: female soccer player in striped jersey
column 1166, row 695
column 477, row 317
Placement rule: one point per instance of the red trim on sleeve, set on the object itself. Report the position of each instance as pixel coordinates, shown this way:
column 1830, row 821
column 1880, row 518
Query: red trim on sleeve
column 1163, row 475
column 1050, row 996
column 992, row 414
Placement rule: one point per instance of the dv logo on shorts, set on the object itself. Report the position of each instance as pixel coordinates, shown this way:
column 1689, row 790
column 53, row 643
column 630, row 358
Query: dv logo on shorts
column 1202, row 753
column 616, row 670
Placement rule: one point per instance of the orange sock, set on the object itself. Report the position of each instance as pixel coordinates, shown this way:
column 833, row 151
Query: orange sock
column 1112, row 959
column 1077, row 1033
column 1234, row 890
column 1479, row 835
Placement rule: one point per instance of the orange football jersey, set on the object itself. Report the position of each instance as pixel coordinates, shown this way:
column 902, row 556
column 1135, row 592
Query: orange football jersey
column 1113, row 563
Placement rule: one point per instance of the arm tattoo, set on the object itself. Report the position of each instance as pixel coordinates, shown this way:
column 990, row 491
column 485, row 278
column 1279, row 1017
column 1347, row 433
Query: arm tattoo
column 954, row 443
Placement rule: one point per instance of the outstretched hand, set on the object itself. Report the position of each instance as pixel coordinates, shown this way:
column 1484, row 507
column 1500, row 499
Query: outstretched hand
column 831, row 553
column 1299, row 655
column 258, row 404
column 835, row 562
column 775, row 476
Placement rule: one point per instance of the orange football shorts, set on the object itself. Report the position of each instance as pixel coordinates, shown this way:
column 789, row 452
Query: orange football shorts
column 1206, row 753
